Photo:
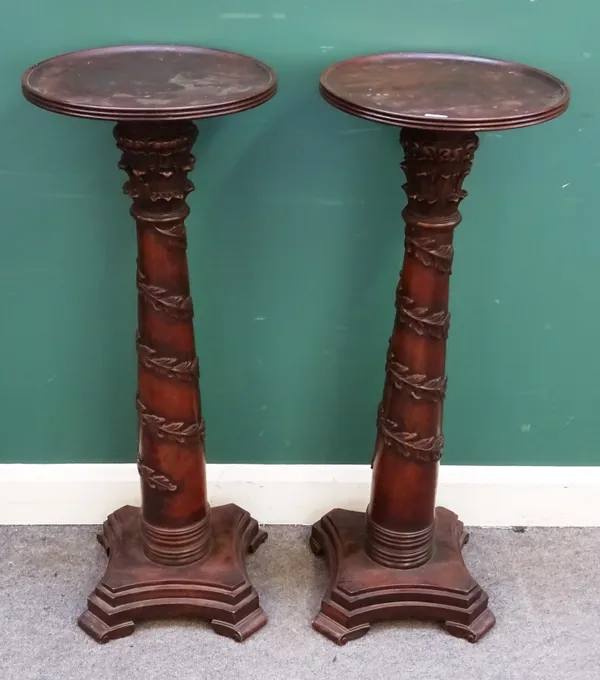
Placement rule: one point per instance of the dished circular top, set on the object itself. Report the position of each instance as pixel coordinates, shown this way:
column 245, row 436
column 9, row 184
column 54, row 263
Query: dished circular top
column 444, row 91
column 149, row 82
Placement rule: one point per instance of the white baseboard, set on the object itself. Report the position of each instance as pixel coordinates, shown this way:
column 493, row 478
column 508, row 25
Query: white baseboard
column 300, row 494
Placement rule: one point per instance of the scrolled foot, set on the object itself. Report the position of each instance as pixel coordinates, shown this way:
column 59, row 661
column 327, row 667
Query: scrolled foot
column 315, row 546
column 112, row 529
column 101, row 538
column 134, row 588
column 336, row 632
column 243, row 629
column 475, row 630
column 100, row 631
column 257, row 541
column 362, row 592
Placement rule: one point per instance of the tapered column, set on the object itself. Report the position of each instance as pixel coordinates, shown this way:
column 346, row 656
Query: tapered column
column 173, row 556
column 171, row 462
column 404, row 560
column 400, row 519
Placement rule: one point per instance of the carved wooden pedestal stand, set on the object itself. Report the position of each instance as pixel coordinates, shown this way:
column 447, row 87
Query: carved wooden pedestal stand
column 403, row 559
column 175, row 556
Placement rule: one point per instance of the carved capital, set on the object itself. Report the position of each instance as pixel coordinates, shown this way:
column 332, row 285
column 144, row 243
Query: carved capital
column 435, row 165
column 156, row 159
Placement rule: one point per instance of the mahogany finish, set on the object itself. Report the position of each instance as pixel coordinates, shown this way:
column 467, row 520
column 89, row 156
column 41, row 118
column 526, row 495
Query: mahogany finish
column 403, row 557
column 174, row 556
column 444, row 91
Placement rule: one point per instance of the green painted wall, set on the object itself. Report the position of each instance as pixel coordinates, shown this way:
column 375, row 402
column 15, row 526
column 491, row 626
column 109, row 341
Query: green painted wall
column 296, row 239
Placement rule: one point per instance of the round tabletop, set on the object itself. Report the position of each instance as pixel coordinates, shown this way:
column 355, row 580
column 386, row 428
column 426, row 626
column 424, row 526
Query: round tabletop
column 444, row 91
column 149, row 82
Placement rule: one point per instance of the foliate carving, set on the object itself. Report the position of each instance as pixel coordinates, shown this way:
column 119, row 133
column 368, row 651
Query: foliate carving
column 171, row 226
column 420, row 386
column 175, row 232
column 156, row 160
column 171, row 367
column 138, row 189
column 153, row 479
column 422, row 321
column 451, row 148
column 409, row 444
column 155, row 139
column 435, row 168
column 429, row 253
column 178, row 307
column 183, row 433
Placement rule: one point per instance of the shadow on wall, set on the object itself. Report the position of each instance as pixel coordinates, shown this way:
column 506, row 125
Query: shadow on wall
column 68, row 263
column 293, row 247
column 287, row 260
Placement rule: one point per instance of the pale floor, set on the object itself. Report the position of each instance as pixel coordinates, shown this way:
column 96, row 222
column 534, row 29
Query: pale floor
column 544, row 587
